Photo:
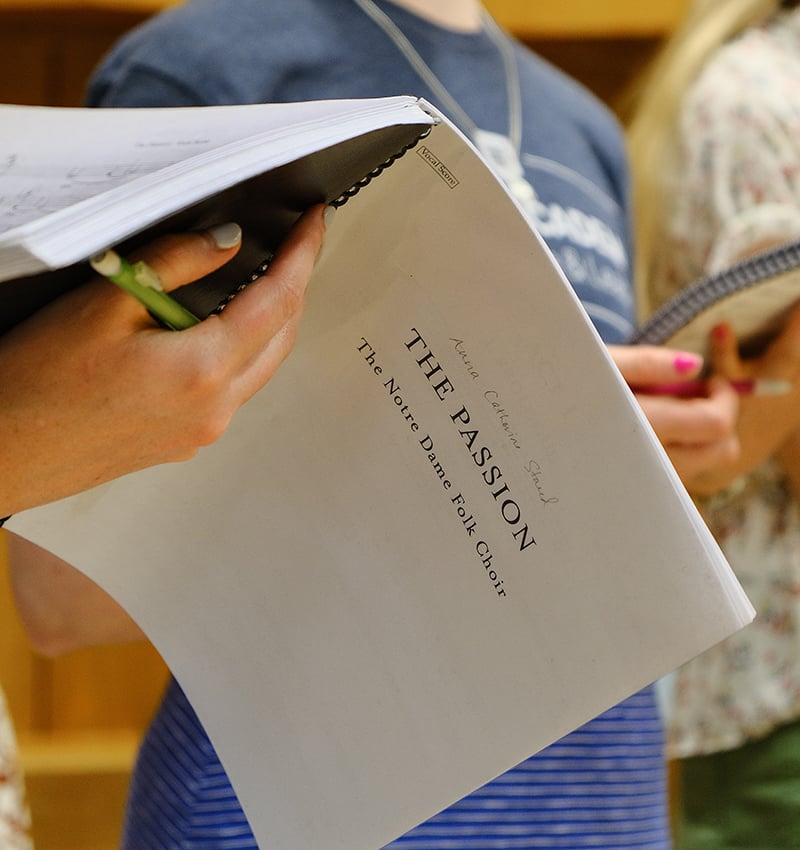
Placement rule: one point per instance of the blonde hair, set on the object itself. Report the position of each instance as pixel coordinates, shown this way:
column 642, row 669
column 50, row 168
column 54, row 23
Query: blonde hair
column 653, row 128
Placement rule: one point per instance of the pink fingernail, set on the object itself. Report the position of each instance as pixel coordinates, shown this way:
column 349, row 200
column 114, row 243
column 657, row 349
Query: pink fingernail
column 686, row 362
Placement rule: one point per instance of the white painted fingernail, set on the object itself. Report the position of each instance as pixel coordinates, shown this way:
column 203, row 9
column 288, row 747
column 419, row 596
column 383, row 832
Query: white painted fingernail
column 330, row 214
column 226, row 235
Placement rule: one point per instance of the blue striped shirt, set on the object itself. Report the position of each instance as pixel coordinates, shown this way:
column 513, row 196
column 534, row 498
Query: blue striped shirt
column 600, row 788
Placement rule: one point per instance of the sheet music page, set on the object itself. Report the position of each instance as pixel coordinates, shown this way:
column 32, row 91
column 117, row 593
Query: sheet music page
column 440, row 539
column 114, row 171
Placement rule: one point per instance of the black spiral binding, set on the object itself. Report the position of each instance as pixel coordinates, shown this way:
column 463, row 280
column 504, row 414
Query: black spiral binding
column 376, row 172
column 264, row 265
column 699, row 296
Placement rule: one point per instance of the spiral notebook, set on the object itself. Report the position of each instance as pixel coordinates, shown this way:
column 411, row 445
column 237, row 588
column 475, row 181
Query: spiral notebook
column 754, row 296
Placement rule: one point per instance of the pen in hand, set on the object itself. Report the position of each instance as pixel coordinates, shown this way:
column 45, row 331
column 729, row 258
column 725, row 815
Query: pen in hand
column 145, row 285
column 699, row 388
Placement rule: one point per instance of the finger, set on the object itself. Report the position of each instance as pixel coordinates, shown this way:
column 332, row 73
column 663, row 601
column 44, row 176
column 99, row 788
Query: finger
column 695, row 462
column 181, row 258
column 643, row 365
column 263, row 365
column 725, row 358
column 268, row 304
column 693, row 420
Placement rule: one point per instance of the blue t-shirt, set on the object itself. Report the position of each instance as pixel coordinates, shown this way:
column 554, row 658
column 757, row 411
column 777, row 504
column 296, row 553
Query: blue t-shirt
column 602, row 786
column 207, row 52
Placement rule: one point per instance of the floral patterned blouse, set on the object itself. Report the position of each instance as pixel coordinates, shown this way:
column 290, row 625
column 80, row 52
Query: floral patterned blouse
column 14, row 818
column 739, row 191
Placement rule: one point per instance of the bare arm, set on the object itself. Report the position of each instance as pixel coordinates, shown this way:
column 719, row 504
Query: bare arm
column 61, row 608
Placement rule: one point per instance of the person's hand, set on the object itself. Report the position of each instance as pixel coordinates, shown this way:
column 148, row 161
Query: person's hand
column 769, row 425
column 698, row 433
column 92, row 389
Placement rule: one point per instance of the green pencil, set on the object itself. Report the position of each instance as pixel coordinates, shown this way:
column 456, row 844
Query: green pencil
column 145, row 285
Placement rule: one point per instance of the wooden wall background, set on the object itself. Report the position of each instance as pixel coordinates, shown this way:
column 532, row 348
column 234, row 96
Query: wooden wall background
column 48, row 47
column 79, row 718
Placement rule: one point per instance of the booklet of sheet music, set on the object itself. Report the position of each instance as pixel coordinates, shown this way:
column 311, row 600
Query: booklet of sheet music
column 442, row 537
column 755, row 297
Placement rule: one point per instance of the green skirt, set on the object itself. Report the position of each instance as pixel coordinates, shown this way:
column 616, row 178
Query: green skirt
column 743, row 799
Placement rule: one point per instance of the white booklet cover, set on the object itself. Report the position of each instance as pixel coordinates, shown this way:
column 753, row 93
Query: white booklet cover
column 441, row 538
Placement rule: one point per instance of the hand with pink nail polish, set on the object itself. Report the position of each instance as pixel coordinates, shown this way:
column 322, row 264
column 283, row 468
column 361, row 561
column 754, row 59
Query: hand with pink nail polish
column 697, row 432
